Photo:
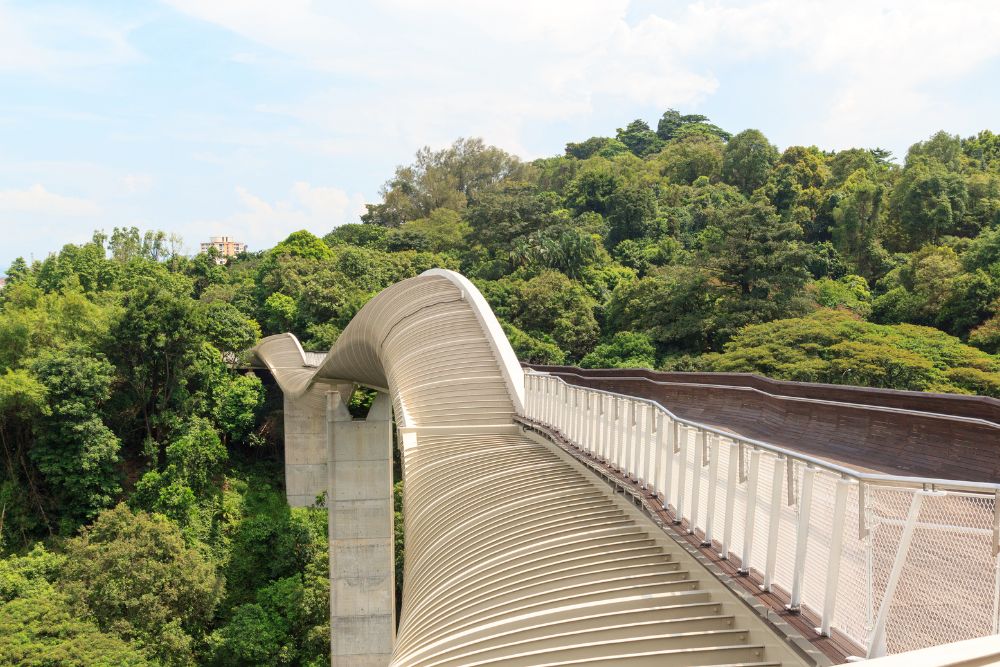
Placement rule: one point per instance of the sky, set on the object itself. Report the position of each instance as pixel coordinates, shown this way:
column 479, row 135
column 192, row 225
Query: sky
column 256, row 118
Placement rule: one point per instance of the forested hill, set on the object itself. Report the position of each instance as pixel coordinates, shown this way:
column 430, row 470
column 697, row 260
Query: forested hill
column 142, row 519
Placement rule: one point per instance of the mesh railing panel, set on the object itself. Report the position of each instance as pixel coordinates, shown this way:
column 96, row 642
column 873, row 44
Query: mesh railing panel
column 851, row 615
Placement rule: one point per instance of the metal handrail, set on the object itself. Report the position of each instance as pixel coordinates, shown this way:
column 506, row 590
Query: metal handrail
column 925, row 483
column 783, row 397
column 552, row 400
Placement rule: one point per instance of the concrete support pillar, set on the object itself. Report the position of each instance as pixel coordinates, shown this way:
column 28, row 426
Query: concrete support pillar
column 359, row 498
column 305, row 444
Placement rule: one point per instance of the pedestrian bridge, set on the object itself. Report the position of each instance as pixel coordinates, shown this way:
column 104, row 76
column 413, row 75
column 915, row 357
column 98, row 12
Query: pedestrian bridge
column 554, row 524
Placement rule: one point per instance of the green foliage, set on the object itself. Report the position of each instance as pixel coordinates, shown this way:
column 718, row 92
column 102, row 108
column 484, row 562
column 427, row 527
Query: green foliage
column 238, row 406
column 43, row 630
column 757, row 258
column 928, row 202
column 227, row 328
column 639, row 139
column 834, row 346
column 75, row 451
column 302, row 244
column 554, row 304
column 747, row 159
column 674, row 125
column 848, row 293
column 626, row 349
column 139, row 580
column 443, row 230
column 542, row 350
column 858, row 222
column 688, row 159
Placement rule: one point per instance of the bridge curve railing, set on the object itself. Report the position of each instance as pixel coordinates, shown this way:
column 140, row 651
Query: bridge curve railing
column 893, row 563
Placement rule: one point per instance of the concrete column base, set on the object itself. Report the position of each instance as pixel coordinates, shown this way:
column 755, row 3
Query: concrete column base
column 359, row 499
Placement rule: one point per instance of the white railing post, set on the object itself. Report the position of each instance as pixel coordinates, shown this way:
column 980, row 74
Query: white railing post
column 699, row 461
column 535, row 381
column 557, row 393
column 629, row 438
column 635, row 414
column 579, row 419
column 836, row 553
column 727, row 525
column 593, row 416
column 656, row 443
column 681, row 473
column 616, row 441
column 774, row 522
column 560, row 407
column 607, row 406
column 876, row 643
column 648, row 473
column 713, row 483
column 668, row 452
column 751, row 512
column 802, row 537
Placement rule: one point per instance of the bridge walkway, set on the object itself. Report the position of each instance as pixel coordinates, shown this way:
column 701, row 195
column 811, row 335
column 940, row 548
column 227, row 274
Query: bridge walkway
column 517, row 555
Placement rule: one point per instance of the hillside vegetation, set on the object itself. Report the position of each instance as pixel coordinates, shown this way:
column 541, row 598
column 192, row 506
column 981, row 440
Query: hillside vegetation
column 142, row 519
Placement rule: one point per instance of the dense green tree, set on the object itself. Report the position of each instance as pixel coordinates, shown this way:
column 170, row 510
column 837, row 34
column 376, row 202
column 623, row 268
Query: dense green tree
column 859, row 217
column 441, row 179
column 686, row 160
column 626, row 349
column 227, row 328
column 631, row 211
column 928, row 202
column 44, row 630
column 156, row 341
column 554, row 304
column 747, row 159
column 674, row 125
column 943, row 148
column 848, row 293
column 639, row 139
column 834, row 346
column 134, row 573
column 361, row 235
column 444, row 229
column 499, row 216
column 534, row 350
column 758, row 258
column 673, row 307
column 593, row 189
column 603, row 146
column 983, row 150
column 74, row 450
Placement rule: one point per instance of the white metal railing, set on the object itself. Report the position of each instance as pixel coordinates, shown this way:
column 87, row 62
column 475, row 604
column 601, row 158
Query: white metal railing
column 894, row 563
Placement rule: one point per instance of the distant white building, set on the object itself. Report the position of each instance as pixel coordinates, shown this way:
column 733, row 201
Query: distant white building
column 3, row 281
column 226, row 247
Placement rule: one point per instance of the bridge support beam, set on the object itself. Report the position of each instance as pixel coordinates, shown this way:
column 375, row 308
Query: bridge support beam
column 359, row 499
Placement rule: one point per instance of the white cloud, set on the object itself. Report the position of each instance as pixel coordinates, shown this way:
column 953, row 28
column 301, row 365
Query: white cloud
column 48, row 41
column 432, row 70
column 137, row 183
column 262, row 223
column 37, row 200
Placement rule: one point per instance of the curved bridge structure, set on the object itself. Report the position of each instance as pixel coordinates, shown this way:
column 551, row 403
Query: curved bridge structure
column 516, row 553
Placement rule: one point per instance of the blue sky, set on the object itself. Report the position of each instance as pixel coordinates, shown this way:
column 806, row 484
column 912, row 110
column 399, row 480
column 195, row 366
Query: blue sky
column 255, row 118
